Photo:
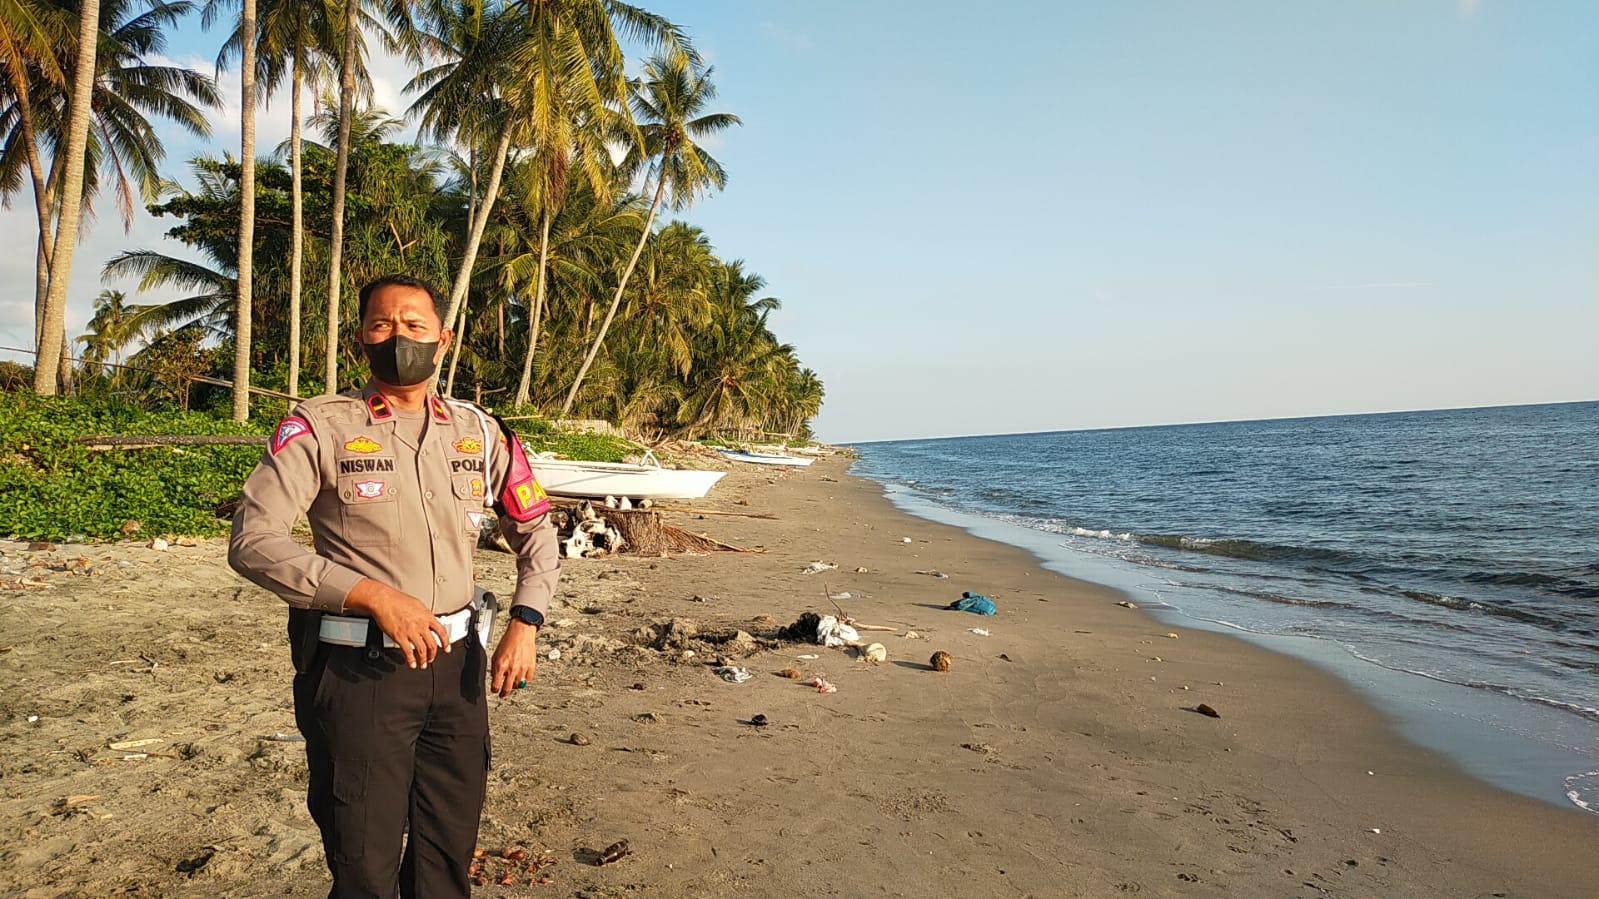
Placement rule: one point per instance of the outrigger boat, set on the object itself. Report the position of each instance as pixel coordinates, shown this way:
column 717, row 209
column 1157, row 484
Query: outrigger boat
column 763, row 458
column 596, row 480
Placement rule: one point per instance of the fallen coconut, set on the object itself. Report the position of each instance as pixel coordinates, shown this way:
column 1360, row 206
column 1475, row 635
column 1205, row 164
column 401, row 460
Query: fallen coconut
column 940, row 661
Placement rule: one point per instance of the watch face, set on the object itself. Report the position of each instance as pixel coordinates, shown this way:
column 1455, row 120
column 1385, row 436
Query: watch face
column 529, row 616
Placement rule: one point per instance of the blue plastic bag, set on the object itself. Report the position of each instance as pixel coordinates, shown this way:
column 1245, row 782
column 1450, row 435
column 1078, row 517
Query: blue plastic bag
column 973, row 602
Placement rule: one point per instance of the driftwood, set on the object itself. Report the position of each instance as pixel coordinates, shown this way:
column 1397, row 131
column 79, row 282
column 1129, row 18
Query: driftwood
column 765, row 515
column 122, row 441
column 646, row 533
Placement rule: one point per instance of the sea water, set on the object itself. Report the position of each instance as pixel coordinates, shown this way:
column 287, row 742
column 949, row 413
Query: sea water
column 1445, row 563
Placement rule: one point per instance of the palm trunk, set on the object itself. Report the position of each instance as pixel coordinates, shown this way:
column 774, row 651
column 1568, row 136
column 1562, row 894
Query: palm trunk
column 616, row 301
column 41, row 288
column 455, row 354
column 64, row 368
column 52, row 333
column 537, row 312
column 41, row 193
column 297, row 229
column 242, row 310
column 471, row 189
column 347, row 60
column 463, row 278
column 455, row 351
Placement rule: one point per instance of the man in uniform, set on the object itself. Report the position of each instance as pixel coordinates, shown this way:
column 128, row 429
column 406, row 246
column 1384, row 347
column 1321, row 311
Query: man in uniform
column 389, row 684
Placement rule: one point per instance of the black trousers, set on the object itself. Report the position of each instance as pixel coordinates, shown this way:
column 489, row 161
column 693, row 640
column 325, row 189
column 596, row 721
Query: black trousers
column 387, row 744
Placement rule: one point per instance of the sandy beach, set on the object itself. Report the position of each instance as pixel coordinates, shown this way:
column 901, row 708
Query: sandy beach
column 150, row 745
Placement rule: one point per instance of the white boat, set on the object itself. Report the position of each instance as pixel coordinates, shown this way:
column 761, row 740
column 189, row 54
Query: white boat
column 595, row 480
column 763, row 458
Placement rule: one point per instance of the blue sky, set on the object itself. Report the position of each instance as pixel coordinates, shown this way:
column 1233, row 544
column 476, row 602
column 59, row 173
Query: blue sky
column 1036, row 216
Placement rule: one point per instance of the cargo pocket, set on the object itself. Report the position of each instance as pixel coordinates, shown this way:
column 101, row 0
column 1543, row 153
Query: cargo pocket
column 368, row 510
column 349, row 808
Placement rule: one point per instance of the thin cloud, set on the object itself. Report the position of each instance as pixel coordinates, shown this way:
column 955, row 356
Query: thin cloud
column 1378, row 285
column 788, row 39
column 1468, row 8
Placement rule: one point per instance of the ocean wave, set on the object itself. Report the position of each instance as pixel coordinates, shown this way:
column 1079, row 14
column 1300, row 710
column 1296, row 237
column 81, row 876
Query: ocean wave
column 1485, row 607
column 1575, row 708
column 1235, row 548
column 1551, row 583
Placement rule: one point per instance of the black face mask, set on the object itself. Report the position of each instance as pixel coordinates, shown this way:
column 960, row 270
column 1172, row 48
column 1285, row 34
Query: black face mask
column 401, row 361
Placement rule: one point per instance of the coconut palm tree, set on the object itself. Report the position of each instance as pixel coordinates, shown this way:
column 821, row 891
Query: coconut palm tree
column 562, row 76
column 110, row 330
column 737, row 351
column 347, row 58
column 246, row 269
column 52, row 322
column 297, row 40
column 669, row 103
column 29, row 34
column 670, row 300
column 577, row 246
column 125, row 91
column 399, row 14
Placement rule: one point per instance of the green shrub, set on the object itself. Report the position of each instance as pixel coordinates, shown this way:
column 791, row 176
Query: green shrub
column 54, row 488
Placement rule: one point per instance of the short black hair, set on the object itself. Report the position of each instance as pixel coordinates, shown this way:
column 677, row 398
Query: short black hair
column 440, row 305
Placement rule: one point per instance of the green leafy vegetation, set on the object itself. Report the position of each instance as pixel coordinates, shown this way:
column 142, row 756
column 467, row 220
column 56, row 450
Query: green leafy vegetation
column 589, row 447
column 53, row 487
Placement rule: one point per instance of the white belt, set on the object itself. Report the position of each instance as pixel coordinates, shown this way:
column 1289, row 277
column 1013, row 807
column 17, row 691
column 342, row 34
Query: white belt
column 352, row 631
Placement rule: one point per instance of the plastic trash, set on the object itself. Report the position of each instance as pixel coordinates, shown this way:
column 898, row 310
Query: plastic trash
column 821, row 684
column 973, row 602
column 732, row 674
column 818, row 566
column 832, row 632
column 979, row 631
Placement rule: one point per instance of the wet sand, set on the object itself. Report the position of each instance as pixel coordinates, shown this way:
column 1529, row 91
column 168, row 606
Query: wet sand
column 1058, row 756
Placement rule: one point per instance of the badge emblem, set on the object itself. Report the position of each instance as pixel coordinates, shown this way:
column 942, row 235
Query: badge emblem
column 468, row 446
column 476, row 518
column 369, row 489
column 477, row 489
column 363, row 444
column 288, row 429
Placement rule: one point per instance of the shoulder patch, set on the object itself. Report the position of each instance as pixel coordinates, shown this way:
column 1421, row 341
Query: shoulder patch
column 288, row 429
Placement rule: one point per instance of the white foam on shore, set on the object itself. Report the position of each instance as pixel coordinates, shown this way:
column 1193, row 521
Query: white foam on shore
column 1583, row 791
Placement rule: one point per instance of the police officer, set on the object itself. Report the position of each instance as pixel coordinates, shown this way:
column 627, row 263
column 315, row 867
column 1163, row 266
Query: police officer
column 389, row 684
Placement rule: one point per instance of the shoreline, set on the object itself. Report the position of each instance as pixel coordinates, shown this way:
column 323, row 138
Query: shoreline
column 1056, row 757
column 1497, row 738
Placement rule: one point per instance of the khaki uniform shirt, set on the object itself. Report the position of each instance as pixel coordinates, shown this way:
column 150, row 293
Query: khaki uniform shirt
column 384, row 505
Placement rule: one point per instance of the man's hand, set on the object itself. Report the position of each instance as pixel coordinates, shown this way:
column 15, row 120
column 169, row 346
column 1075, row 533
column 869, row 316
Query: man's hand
column 515, row 659
column 403, row 617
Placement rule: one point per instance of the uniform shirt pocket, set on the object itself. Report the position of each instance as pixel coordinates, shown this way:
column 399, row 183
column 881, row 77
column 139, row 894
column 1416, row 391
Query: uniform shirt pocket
column 368, row 510
column 470, row 489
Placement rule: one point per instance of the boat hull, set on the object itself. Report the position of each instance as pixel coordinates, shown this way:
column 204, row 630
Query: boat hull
column 595, row 480
column 765, row 458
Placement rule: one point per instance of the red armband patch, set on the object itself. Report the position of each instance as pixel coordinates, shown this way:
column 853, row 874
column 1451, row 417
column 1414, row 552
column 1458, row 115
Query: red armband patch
column 288, row 429
column 523, row 498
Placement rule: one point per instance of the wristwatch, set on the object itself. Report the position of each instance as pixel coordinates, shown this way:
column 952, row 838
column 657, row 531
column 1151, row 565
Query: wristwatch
column 528, row 615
